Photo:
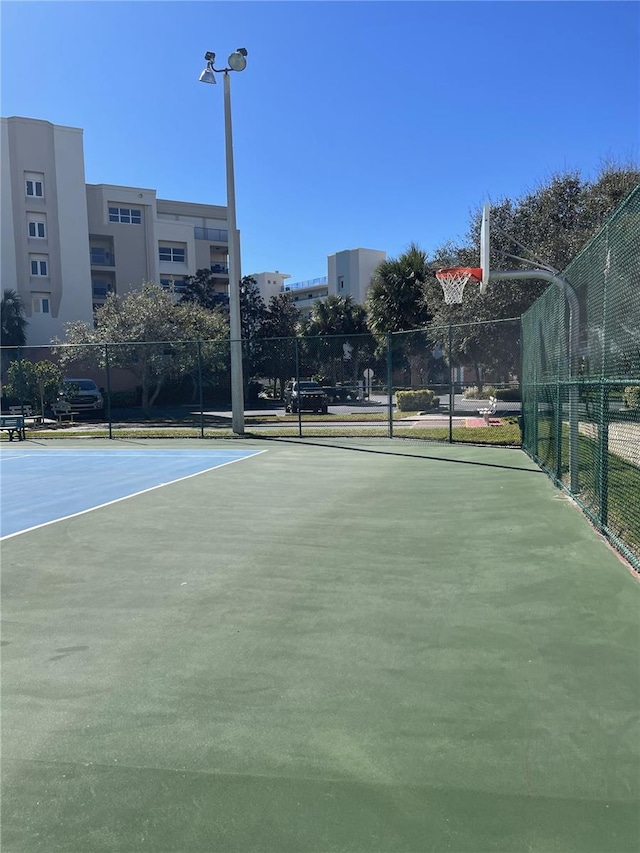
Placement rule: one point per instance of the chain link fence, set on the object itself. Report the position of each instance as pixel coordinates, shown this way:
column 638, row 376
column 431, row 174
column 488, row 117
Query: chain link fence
column 448, row 383
column 581, row 403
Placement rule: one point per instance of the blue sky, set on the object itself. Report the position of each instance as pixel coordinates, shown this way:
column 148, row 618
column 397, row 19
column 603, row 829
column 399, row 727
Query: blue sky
column 368, row 124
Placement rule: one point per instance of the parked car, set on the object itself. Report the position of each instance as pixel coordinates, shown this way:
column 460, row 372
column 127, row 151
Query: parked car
column 80, row 395
column 342, row 393
column 305, row 396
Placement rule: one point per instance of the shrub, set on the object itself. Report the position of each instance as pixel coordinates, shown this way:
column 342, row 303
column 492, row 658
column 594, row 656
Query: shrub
column 473, row 392
column 125, row 399
column 508, row 395
column 631, row 397
column 414, row 401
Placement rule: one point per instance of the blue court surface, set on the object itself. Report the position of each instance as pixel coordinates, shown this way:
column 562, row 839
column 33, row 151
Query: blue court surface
column 58, row 483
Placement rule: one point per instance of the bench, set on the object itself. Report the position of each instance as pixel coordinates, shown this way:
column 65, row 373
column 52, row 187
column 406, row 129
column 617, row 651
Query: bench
column 63, row 410
column 490, row 410
column 13, row 424
column 31, row 418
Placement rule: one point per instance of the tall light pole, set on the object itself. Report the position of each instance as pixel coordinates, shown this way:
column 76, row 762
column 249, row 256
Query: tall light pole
column 236, row 62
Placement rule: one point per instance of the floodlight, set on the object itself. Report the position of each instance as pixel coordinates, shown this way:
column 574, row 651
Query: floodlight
column 207, row 75
column 237, row 61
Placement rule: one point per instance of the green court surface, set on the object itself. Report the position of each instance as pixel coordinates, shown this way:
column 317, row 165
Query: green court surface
column 375, row 647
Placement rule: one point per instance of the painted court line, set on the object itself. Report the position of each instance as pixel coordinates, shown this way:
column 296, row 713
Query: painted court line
column 132, row 495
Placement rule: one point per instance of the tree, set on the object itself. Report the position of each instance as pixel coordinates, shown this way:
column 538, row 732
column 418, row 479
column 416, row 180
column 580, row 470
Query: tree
column 252, row 308
column 343, row 322
column 252, row 314
column 12, row 320
column 35, row 383
column 200, row 289
column 337, row 315
column 397, row 298
column 550, row 224
column 278, row 331
column 147, row 335
column 398, row 301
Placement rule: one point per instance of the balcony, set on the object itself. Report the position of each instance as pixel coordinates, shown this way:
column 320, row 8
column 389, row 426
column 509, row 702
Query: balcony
column 101, row 289
column 174, row 285
column 298, row 285
column 214, row 235
column 220, row 268
column 102, row 258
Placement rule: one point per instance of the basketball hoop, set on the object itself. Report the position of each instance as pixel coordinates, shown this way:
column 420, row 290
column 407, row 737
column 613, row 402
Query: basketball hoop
column 453, row 280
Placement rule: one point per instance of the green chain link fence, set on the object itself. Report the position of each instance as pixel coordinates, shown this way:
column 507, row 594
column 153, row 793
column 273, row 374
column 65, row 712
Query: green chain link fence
column 595, row 390
column 432, row 384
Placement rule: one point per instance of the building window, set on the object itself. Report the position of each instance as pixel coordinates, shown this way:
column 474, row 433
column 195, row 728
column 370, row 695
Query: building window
column 37, row 229
column 41, row 303
column 177, row 285
column 125, row 215
column 34, row 184
column 39, row 265
column 341, row 282
column 173, row 254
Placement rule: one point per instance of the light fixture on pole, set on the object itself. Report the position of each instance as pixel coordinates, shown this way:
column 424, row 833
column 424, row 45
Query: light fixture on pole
column 236, row 62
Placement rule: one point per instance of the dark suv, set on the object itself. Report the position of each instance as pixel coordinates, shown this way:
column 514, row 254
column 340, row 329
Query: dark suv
column 305, row 396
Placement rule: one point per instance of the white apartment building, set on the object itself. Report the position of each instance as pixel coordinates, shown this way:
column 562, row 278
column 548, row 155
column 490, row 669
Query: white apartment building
column 270, row 283
column 349, row 273
column 66, row 244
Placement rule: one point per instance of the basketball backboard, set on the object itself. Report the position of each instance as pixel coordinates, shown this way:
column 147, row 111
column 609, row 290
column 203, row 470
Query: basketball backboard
column 485, row 246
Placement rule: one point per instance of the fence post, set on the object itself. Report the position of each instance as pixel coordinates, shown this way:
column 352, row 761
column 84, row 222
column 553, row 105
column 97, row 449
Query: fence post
column 200, row 389
column 523, row 420
column 298, row 387
column 557, row 426
column 108, row 372
column 603, row 427
column 21, row 381
column 603, row 455
column 452, row 396
column 390, row 383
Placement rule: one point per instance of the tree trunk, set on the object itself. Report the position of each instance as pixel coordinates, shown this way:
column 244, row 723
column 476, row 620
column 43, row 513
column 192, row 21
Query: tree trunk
column 414, row 369
column 156, row 391
column 478, row 376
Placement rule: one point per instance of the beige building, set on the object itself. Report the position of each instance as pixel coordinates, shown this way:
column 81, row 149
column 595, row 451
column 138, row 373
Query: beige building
column 136, row 237
column 44, row 241
column 66, row 244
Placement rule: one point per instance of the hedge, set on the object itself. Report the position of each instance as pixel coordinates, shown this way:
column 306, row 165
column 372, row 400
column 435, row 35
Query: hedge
column 631, row 397
column 415, row 401
column 508, row 395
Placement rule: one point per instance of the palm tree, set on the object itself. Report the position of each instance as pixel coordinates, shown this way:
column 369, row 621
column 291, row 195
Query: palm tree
column 12, row 320
column 337, row 315
column 345, row 320
column 397, row 302
column 397, row 297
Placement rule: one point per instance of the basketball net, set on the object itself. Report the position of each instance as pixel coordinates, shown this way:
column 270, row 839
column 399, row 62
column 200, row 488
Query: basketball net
column 453, row 281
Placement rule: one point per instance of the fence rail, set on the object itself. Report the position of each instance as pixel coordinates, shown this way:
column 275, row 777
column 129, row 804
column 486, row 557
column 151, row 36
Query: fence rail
column 417, row 385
